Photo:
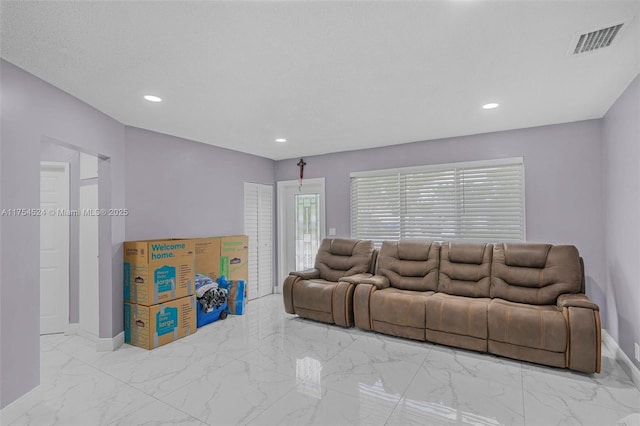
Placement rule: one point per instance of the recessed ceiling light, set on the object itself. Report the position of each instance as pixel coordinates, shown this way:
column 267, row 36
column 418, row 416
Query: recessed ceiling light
column 281, row 140
column 152, row 98
column 492, row 105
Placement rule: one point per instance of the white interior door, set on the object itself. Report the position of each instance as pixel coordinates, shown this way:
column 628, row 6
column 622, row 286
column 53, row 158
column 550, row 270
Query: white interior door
column 258, row 226
column 54, row 248
column 88, row 309
column 301, row 224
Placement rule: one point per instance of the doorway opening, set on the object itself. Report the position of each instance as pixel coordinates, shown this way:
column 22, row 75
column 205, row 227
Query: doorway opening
column 301, row 224
column 54, row 247
column 69, row 237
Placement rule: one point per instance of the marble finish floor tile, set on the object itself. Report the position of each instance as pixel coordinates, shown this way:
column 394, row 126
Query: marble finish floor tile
column 81, row 348
column 563, row 397
column 352, row 370
column 157, row 413
column 230, row 395
column 297, row 354
column 270, row 368
column 462, row 387
column 75, row 393
column 161, row 370
column 326, row 407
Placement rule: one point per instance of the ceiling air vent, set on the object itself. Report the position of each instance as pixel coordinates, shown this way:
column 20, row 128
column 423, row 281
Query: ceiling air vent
column 596, row 39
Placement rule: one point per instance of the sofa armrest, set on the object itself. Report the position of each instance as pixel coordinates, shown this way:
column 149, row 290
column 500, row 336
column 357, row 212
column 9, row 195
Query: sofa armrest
column 287, row 293
column 307, row 274
column 584, row 333
column 355, row 279
column 361, row 305
column 576, row 300
column 378, row 281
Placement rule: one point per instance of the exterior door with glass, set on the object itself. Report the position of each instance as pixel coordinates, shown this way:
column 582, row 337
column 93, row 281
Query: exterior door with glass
column 301, row 224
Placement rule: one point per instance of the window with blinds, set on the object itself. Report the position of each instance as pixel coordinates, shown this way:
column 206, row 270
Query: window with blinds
column 474, row 201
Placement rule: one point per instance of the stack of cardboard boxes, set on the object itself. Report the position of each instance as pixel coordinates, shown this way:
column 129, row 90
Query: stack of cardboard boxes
column 225, row 257
column 159, row 286
column 160, row 305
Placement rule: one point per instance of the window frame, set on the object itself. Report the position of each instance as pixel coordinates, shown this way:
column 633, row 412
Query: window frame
column 457, row 168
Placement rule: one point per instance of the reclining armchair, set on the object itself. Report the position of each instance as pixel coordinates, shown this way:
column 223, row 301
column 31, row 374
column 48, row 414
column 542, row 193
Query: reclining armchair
column 325, row 293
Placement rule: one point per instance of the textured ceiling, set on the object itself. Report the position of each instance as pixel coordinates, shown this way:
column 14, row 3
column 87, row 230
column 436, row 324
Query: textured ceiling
column 328, row 76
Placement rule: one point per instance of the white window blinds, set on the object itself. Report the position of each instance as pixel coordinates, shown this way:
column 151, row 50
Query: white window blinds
column 476, row 201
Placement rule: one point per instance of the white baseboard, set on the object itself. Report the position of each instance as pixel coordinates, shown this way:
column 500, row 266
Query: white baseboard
column 110, row 344
column 622, row 358
column 87, row 335
column 102, row 344
column 20, row 406
column 72, row 328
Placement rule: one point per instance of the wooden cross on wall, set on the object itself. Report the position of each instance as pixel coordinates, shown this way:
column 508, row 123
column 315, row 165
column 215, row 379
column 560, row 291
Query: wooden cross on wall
column 301, row 164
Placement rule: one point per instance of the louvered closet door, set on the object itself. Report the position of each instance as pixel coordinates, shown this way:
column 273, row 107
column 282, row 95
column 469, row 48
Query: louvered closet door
column 258, row 225
column 265, row 240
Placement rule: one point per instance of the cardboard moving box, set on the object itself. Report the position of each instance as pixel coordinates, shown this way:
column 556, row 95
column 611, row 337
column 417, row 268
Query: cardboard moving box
column 158, row 271
column 208, row 257
column 152, row 326
column 222, row 256
column 234, row 254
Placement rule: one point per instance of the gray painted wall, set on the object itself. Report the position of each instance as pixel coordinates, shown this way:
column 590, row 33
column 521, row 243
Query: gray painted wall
column 621, row 163
column 180, row 188
column 33, row 111
column 563, row 177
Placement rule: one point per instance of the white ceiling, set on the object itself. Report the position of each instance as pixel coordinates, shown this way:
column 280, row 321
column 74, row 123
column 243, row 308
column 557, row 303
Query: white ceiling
column 328, row 76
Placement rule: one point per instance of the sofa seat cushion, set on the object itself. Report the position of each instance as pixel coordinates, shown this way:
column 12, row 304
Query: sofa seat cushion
column 465, row 316
column 533, row 326
column 315, row 295
column 465, row 269
column 534, row 273
column 399, row 307
column 340, row 257
column 410, row 264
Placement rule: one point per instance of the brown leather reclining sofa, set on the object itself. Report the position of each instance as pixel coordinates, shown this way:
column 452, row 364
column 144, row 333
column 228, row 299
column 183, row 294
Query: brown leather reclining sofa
column 523, row 301
column 321, row 293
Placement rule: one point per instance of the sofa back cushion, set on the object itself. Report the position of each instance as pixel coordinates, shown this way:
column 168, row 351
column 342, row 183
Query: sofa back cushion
column 465, row 269
column 340, row 257
column 410, row 264
column 534, row 273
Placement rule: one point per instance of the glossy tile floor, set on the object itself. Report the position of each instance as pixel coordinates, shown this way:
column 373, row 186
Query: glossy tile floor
column 270, row 368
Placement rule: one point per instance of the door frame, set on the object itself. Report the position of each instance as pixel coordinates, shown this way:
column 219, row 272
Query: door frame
column 283, row 186
column 64, row 168
column 90, row 287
